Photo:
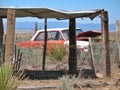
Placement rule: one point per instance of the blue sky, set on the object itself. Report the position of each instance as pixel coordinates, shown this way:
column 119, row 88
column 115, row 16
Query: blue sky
column 112, row 6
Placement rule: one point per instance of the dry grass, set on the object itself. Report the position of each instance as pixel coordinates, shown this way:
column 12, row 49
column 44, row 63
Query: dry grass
column 112, row 83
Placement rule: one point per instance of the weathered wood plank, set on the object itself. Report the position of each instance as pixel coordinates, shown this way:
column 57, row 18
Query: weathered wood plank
column 106, row 53
column 1, row 39
column 118, row 39
column 1, row 32
column 9, row 45
column 36, row 26
column 92, row 55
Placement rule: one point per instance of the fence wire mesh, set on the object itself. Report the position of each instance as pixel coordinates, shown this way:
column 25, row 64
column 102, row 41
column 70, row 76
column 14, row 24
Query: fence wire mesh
column 31, row 58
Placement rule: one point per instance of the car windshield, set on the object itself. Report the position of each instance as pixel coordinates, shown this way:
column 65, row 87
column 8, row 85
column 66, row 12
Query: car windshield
column 52, row 35
column 66, row 33
column 56, row 35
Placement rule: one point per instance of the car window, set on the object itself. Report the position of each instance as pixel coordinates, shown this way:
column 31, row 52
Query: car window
column 58, row 36
column 52, row 35
column 40, row 36
column 66, row 33
column 78, row 31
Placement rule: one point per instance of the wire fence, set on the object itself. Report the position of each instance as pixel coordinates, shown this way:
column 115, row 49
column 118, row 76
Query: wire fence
column 57, row 62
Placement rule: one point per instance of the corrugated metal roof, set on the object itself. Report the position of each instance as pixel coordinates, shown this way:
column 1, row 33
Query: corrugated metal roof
column 49, row 13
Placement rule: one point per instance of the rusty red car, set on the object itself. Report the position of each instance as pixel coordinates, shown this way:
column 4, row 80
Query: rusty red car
column 57, row 36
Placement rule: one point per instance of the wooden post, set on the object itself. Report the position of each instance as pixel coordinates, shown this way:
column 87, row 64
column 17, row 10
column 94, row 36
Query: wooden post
column 72, row 47
column 118, row 40
column 9, row 45
column 45, row 45
column 106, row 54
column 1, row 39
column 36, row 26
column 1, row 32
column 92, row 55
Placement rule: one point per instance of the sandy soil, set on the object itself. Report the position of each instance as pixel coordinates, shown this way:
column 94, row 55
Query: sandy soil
column 100, row 83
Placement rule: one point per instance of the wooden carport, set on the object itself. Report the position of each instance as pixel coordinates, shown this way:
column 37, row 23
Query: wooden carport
column 13, row 12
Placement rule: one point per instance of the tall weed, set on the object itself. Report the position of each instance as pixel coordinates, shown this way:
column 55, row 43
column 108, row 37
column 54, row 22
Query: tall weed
column 57, row 52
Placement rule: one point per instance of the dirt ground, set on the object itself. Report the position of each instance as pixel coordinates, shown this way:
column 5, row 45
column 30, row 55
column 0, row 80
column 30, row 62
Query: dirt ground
column 99, row 83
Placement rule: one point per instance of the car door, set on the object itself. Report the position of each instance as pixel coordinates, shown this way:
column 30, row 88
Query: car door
column 54, row 38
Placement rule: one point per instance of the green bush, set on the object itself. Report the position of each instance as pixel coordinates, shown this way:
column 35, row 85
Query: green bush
column 7, row 80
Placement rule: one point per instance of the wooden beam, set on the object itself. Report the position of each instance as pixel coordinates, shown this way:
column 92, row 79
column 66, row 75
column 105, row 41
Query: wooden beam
column 1, row 40
column 45, row 45
column 118, row 39
column 36, row 26
column 1, row 32
column 92, row 55
column 106, row 54
column 9, row 45
column 72, row 47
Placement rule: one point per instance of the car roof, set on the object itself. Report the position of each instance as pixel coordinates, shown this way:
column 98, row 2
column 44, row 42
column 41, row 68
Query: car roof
column 53, row 29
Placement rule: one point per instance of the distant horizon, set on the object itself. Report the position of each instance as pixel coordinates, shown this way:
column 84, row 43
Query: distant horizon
column 25, row 26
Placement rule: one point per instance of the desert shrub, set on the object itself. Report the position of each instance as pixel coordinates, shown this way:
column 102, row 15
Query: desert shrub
column 68, row 82
column 57, row 52
column 23, row 36
column 7, row 80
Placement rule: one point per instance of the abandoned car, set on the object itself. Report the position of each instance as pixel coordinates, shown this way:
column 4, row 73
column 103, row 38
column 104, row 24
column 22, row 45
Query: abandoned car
column 57, row 37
